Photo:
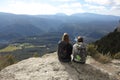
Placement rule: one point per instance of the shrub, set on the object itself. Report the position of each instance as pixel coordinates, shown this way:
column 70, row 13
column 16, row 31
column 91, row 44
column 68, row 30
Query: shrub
column 6, row 60
column 36, row 55
column 117, row 55
column 104, row 58
column 91, row 49
column 10, row 59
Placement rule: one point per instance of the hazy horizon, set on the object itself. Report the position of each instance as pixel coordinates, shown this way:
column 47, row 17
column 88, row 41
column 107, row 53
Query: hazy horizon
column 51, row 7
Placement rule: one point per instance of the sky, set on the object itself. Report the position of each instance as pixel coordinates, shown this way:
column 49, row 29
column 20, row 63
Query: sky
column 43, row 7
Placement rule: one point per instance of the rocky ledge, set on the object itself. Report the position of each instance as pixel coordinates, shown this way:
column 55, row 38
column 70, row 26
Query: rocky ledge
column 49, row 68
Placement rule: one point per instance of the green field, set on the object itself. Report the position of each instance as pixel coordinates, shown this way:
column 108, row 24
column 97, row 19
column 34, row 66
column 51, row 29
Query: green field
column 29, row 46
column 10, row 48
column 13, row 47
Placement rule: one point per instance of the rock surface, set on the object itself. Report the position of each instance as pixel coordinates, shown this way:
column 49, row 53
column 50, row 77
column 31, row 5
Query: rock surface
column 49, row 68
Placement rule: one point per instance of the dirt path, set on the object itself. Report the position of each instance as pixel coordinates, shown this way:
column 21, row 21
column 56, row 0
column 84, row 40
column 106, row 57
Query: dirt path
column 49, row 68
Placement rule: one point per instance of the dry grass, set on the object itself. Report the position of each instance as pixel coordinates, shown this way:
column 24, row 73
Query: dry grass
column 98, row 56
column 36, row 55
column 104, row 58
column 6, row 60
column 117, row 55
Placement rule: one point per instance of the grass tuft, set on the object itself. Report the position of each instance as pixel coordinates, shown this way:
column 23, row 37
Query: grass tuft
column 117, row 55
column 36, row 55
column 7, row 60
column 98, row 56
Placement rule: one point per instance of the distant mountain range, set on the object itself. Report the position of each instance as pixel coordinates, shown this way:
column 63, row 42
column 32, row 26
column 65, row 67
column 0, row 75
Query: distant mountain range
column 91, row 26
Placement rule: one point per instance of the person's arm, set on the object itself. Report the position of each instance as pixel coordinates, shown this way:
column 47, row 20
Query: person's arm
column 58, row 49
column 85, row 49
column 71, row 49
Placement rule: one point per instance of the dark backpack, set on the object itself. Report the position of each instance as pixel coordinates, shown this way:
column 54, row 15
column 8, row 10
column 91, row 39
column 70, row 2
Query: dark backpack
column 64, row 51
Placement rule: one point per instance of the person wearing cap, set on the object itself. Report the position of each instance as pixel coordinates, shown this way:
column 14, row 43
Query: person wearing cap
column 79, row 51
column 64, row 49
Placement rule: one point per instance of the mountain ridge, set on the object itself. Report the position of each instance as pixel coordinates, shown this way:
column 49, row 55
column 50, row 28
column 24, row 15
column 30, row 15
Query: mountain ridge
column 84, row 24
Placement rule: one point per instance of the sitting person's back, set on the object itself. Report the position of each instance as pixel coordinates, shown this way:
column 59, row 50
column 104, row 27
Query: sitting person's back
column 64, row 49
column 79, row 51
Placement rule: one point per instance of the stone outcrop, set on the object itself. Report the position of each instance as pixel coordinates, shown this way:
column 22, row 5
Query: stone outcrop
column 49, row 68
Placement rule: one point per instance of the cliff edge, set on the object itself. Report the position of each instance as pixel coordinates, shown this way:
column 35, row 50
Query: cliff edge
column 49, row 68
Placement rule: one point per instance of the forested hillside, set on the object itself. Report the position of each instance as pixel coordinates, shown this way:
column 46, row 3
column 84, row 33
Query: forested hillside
column 109, row 43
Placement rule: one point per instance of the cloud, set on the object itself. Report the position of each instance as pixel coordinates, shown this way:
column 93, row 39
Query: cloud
column 41, row 8
column 92, row 7
column 95, row 9
column 104, row 2
column 61, row 6
column 31, row 8
column 109, row 7
column 64, row 0
column 115, row 10
column 71, row 8
column 72, row 5
column 117, row 2
column 100, row 2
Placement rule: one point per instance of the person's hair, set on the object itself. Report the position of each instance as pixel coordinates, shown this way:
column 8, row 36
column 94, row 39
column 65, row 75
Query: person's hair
column 79, row 39
column 65, row 37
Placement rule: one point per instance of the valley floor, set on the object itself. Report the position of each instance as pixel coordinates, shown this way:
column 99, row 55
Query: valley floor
column 49, row 68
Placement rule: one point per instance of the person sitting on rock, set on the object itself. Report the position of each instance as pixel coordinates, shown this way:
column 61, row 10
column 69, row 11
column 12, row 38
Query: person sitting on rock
column 79, row 51
column 64, row 49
